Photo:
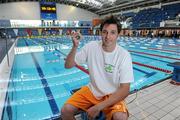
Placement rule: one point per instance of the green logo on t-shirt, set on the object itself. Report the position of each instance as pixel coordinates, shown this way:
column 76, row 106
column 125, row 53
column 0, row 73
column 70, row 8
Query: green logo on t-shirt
column 108, row 68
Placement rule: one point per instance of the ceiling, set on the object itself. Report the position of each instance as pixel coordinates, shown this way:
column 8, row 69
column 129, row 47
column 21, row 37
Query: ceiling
column 103, row 7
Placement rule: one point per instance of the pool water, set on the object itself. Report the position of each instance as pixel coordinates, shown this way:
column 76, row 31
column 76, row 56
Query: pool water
column 39, row 84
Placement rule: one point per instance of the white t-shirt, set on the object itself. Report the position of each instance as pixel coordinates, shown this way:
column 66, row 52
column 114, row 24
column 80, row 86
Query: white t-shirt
column 106, row 69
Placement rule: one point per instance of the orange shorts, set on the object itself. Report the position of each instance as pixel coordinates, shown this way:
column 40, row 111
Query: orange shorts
column 84, row 99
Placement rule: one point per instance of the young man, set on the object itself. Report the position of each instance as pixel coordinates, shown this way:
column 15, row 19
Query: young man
column 110, row 70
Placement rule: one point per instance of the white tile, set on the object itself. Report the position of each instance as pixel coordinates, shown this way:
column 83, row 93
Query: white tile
column 176, row 102
column 176, row 112
column 161, row 104
column 148, row 97
column 152, row 109
column 162, row 96
column 131, row 105
column 177, row 118
column 167, row 117
column 130, row 115
column 160, row 101
column 175, row 95
column 132, row 118
column 157, row 94
column 170, row 92
column 174, row 88
column 170, row 99
column 154, row 100
column 140, row 101
column 141, row 115
column 130, row 99
column 152, row 89
column 134, row 110
column 140, row 94
column 168, row 108
column 150, row 118
column 147, row 91
column 159, row 114
column 145, row 105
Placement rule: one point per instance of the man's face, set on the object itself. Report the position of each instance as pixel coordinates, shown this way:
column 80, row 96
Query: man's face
column 109, row 35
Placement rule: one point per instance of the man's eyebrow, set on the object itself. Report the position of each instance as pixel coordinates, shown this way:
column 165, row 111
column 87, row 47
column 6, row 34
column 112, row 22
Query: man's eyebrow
column 114, row 30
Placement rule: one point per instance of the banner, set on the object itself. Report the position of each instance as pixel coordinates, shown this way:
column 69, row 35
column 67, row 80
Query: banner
column 29, row 32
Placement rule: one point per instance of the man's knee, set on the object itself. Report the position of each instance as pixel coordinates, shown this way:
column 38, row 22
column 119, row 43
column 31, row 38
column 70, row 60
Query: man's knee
column 120, row 116
column 68, row 109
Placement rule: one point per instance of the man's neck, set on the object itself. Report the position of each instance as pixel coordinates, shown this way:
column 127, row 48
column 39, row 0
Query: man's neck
column 108, row 48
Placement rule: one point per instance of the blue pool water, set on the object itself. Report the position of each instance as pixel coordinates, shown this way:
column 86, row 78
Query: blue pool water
column 39, row 83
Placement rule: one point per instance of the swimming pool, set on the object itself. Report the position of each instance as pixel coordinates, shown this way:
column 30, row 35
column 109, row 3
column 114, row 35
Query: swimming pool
column 39, row 84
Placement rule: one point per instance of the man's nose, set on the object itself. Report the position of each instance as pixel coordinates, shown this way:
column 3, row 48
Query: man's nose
column 107, row 35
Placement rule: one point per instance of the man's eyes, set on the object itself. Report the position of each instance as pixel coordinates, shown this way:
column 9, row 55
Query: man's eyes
column 104, row 31
column 112, row 32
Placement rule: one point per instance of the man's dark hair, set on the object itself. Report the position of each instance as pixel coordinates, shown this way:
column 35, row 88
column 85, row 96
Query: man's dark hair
column 111, row 20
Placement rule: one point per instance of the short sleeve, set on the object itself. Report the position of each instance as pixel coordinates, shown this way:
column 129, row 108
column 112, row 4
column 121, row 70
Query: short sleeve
column 81, row 56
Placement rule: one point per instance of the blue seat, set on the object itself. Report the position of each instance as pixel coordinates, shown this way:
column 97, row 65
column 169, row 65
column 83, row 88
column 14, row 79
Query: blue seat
column 101, row 116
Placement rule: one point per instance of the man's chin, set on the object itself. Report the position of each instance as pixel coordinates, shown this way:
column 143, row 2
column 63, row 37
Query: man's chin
column 108, row 44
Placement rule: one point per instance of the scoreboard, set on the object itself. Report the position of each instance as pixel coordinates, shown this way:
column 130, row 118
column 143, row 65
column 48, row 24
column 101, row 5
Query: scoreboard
column 48, row 10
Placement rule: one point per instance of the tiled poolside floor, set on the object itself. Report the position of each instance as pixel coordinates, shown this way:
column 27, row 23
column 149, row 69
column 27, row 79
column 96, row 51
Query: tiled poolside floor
column 158, row 102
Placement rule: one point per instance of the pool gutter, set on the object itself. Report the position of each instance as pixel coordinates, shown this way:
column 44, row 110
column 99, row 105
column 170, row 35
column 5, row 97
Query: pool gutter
column 5, row 72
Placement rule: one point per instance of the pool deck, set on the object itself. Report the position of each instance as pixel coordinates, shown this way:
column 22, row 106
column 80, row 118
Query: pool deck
column 158, row 102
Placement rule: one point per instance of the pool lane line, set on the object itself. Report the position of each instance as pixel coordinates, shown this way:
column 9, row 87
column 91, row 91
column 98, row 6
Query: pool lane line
column 143, row 71
column 154, row 55
column 40, row 42
column 172, row 46
column 153, row 67
column 172, row 51
column 49, row 95
column 82, row 69
column 149, row 58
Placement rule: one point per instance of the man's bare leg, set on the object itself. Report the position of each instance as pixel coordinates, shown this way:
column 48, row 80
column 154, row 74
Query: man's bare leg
column 68, row 111
column 120, row 116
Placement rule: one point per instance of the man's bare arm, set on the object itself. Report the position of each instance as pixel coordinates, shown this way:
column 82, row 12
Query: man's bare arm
column 69, row 63
column 117, row 96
